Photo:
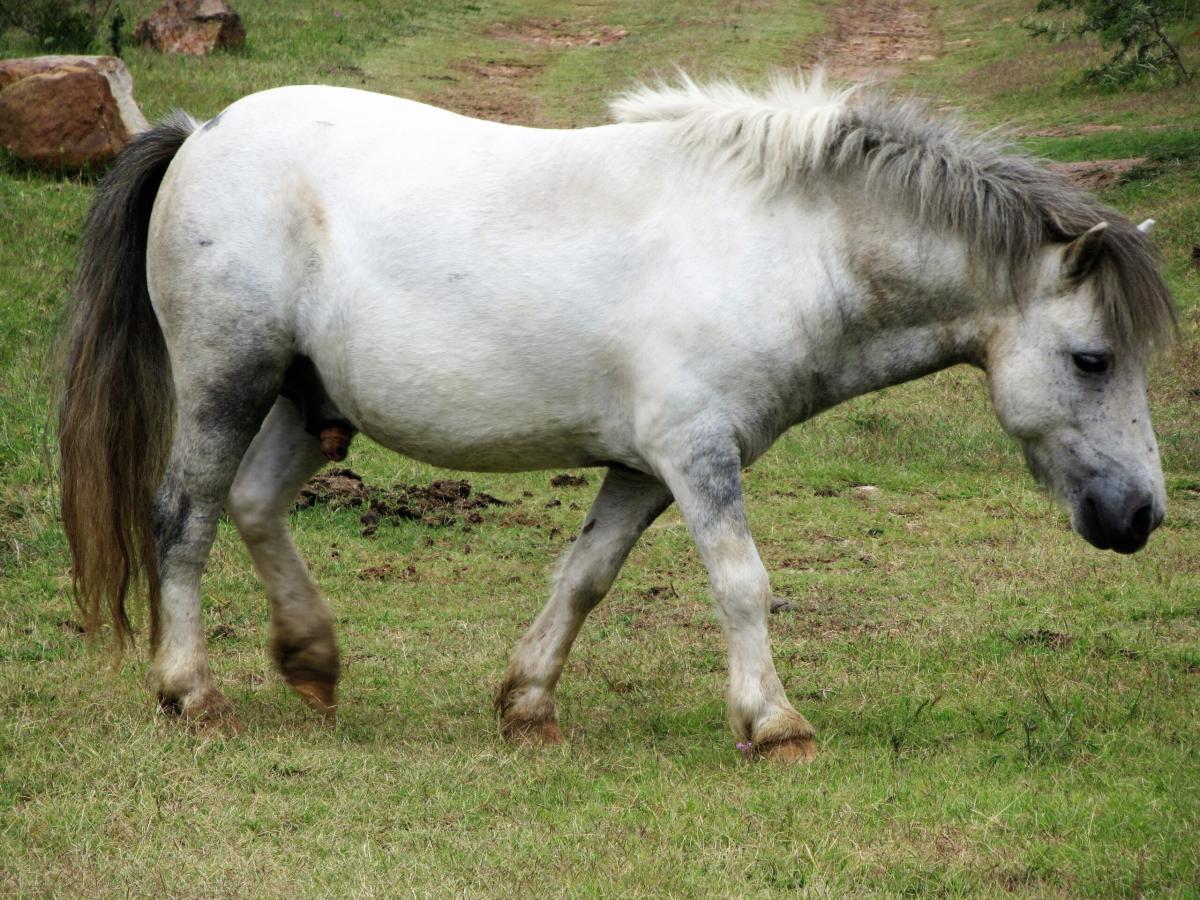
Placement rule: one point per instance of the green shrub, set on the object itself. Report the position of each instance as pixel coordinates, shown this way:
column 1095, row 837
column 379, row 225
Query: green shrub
column 1137, row 28
column 58, row 26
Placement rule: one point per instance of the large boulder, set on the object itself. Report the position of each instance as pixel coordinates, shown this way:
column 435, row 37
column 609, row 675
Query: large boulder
column 67, row 112
column 191, row 26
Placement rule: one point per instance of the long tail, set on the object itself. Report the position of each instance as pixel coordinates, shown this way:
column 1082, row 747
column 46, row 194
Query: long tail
column 115, row 414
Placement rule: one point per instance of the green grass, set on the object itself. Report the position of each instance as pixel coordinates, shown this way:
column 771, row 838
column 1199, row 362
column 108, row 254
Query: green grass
column 1001, row 708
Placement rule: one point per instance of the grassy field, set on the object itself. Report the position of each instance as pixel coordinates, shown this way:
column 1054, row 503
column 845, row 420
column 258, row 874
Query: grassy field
column 1000, row 707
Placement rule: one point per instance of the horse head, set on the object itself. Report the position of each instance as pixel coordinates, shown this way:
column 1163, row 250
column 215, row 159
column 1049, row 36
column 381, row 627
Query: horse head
column 1067, row 373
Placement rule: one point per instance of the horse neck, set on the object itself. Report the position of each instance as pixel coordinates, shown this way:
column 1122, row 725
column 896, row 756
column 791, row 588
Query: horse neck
column 907, row 302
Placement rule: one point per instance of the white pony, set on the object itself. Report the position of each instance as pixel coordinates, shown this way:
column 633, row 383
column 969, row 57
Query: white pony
column 664, row 297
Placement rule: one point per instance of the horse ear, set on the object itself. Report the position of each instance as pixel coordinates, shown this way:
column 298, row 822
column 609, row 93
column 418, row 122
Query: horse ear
column 1146, row 227
column 1082, row 253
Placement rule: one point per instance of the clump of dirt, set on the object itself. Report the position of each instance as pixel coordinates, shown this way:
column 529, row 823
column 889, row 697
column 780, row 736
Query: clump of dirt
column 1043, row 637
column 568, row 480
column 558, row 33
column 347, row 71
column 340, row 488
column 1097, row 174
column 870, row 38
column 387, row 571
column 439, row 504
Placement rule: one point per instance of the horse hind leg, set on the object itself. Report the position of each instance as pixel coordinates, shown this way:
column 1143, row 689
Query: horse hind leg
column 220, row 408
column 282, row 457
column 628, row 502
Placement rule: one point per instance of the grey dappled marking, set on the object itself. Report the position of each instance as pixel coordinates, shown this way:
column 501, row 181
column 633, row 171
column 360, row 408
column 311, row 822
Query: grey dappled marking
column 172, row 506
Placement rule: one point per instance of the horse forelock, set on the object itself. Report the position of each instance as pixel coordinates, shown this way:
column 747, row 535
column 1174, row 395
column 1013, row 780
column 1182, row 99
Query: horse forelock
column 1003, row 203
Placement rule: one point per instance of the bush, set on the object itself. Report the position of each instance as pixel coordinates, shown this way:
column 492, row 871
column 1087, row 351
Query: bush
column 58, row 26
column 1138, row 29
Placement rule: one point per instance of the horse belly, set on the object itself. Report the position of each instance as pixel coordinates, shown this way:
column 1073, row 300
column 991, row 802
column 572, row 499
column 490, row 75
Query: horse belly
column 446, row 390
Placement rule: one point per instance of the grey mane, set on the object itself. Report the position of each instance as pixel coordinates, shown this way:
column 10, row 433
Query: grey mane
column 1002, row 202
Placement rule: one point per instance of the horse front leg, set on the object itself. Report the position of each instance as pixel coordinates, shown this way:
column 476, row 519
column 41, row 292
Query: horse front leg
column 706, row 482
column 628, row 502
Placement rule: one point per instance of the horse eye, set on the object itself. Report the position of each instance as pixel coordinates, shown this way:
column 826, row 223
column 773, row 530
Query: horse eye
column 1091, row 363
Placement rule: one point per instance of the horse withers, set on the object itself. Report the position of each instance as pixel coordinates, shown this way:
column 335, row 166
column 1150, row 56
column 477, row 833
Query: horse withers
column 663, row 296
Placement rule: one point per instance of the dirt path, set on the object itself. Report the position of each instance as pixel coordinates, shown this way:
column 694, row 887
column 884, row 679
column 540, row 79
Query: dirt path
column 872, row 39
column 864, row 40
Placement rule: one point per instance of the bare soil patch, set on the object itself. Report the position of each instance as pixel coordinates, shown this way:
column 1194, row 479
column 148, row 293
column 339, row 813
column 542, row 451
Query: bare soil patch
column 1073, row 130
column 1097, row 174
column 868, row 39
column 493, row 89
column 560, row 33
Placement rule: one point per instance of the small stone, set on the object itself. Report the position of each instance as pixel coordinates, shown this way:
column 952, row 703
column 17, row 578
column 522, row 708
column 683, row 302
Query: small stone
column 866, row 490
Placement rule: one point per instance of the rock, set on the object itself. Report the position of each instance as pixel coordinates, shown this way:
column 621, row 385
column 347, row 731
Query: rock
column 120, row 82
column 72, row 112
column 191, row 26
column 865, row 490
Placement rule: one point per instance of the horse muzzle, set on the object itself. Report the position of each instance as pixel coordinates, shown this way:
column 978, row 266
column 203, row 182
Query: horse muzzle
column 1116, row 517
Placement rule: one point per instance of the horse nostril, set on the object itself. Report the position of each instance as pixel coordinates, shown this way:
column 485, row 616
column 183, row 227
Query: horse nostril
column 1143, row 522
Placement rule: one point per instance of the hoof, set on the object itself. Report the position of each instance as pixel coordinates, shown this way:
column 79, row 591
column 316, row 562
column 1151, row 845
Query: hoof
column 526, row 718
column 532, row 734
column 311, row 668
column 320, row 695
column 789, row 750
column 208, row 711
